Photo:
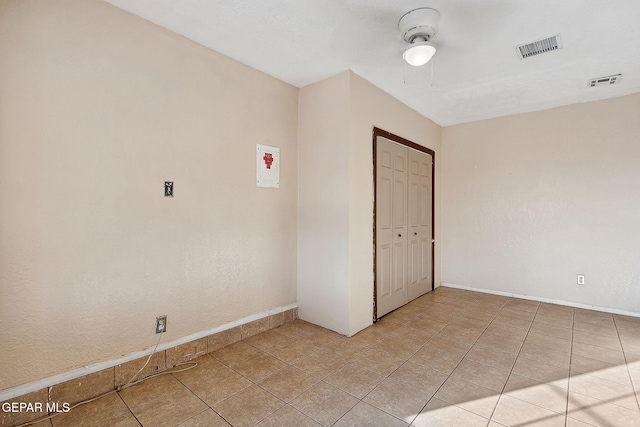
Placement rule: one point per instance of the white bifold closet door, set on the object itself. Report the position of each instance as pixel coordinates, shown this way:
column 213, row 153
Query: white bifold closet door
column 403, row 224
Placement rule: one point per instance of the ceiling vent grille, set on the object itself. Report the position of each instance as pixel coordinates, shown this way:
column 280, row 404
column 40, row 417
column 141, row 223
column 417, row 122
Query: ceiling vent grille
column 604, row 81
column 538, row 47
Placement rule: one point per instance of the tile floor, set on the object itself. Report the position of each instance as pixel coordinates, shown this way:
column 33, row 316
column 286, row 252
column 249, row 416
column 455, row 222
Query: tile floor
column 449, row 358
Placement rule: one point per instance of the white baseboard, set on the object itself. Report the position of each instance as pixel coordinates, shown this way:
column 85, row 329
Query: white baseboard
column 541, row 299
column 23, row 389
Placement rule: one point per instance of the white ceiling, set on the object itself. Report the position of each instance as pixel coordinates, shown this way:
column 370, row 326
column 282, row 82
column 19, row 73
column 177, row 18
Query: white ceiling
column 476, row 72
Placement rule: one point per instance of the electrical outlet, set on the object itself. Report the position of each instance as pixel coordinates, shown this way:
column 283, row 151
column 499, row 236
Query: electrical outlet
column 161, row 324
column 580, row 279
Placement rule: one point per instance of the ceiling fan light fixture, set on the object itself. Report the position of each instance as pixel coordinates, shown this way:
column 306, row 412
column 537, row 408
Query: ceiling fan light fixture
column 416, row 28
column 419, row 53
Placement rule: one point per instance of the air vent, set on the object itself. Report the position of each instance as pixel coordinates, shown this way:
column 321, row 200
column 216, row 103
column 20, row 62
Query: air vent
column 538, row 47
column 604, row 81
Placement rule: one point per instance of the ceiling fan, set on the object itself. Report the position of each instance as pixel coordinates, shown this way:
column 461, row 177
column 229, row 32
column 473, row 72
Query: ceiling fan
column 418, row 28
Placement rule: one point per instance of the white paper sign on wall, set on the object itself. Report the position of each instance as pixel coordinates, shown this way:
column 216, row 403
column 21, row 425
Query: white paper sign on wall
column 268, row 166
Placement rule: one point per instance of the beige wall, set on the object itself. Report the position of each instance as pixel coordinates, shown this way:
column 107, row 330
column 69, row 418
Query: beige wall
column 97, row 109
column 323, row 203
column 335, row 274
column 530, row 201
column 371, row 107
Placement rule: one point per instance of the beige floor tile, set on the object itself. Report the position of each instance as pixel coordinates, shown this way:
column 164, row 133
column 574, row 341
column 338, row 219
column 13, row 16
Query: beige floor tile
column 447, row 345
column 412, row 335
column 542, row 372
column 344, row 349
column 8, row 418
column 248, row 407
column 560, row 322
column 324, row 336
column 486, row 307
column 235, row 352
column 295, row 329
column 148, row 390
column 205, row 366
column 599, row 413
column 458, row 333
column 222, row 339
column 258, row 367
column 378, row 362
column 218, row 385
column 373, row 416
column 368, row 337
column 386, row 326
column 456, row 302
column 596, row 368
column 635, row 378
column 519, row 314
column 426, row 324
column 287, row 416
column 207, row 418
column 163, row 402
column 629, row 346
column 545, row 354
column 420, row 377
column 398, row 399
column 320, row 364
column 497, row 342
column 42, row 423
column 604, row 390
column 544, row 395
column 442, row 355
column 581, row 364
column 435, row 359
column 512, row 321
column 614, row 357
column 104, row 411
column 507, row 332
column 553, row 331
column 469, row 396
column 268, row 339
column 482, row 375
column 555, row 309
column 548, row 341
column 469, row 323
column 522, row 305
column 441, row 414
column 514, row 412
column 490, row 357
column 288, row 383
column 130, row 371
column 354, row 380
column 186, row 352
column 607, row 341
column 607, row 328
column 290, row 352
column 516, row 382
column 84, row 388
column 399, row 317
column 481, row 315
column 397, row 348
column 324, row 403
column 571, row 422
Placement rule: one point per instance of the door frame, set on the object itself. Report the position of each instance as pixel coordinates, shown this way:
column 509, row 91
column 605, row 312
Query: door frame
column 405, row 142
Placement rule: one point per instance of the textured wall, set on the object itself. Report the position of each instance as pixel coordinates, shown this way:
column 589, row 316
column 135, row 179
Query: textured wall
column 323, row 204
column 337, row 116
column 371, row 107
column 531, row 200
column 97, row 109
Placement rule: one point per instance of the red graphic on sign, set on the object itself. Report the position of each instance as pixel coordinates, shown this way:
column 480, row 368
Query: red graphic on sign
column 268, row 160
